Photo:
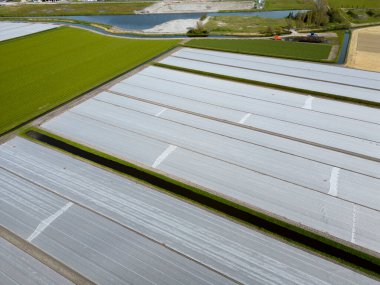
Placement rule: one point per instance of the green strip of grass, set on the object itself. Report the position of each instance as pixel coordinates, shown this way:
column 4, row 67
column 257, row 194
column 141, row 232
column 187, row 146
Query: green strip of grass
column 27, row 10
column 203, row 192
column 42, row 71
column 265, row 84
column 292, row 50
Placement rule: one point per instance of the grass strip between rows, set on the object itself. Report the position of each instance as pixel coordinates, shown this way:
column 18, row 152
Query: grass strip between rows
column 270, row 85
column 274, row 226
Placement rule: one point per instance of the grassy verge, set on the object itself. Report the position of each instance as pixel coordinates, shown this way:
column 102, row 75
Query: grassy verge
column 265, row 84
column 27, row 10
column 292, row 50
column 60, row 64
column 274, row 226
column 288, row 4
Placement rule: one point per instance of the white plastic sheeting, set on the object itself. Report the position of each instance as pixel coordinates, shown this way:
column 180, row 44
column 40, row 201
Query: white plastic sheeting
column 31, row 176
column 355, row 84
column 10, row 30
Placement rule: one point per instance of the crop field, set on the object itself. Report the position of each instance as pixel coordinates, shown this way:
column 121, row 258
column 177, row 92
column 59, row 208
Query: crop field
column 76, row 222
column 354, row 3
column 71, row 9
column 223, row 137
column 58, row 65
column 284, row 49
column 288, row 4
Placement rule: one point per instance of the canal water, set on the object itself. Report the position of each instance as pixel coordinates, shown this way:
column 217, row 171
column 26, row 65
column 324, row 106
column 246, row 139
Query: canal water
column 147, row 21
column 343, row 52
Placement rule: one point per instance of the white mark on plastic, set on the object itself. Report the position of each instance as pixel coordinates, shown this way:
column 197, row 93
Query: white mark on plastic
column 160, row 112
column 244, row 119
column 354, row 221
column 164, row 155
column 308, row 103
column 334, row 179
column 45, row 223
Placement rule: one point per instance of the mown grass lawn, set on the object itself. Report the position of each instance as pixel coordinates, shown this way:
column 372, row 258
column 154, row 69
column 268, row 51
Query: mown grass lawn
column 354, row 3
column 295, row 50
column 72, row 9
column 41, row 71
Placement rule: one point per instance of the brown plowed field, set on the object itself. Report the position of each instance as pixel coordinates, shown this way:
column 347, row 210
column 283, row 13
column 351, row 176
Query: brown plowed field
column 364, row 52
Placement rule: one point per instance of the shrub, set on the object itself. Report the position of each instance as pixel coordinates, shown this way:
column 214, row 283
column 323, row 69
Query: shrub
column 370, row 13
column 198, row 31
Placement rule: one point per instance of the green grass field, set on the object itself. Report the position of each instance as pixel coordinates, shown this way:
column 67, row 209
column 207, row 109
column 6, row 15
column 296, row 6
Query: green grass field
column 41, row 71
column 71, row 9
column 288, row 4
column 354, row 3
column 293, row 50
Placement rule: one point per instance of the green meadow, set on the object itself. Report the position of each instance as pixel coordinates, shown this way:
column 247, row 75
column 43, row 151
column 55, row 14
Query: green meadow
column 41, row 71
column 295, row 50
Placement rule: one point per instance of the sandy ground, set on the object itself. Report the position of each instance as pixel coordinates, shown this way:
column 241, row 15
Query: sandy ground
column 175, row 26
column 364, row 52
column 187, row 6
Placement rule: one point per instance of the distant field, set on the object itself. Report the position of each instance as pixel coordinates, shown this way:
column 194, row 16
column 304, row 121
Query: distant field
column 360, row 16
column 354, row 3
column 242, row 25
column 294, row 50
column 41, row 71
column 288, row 4
column 72, row 9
